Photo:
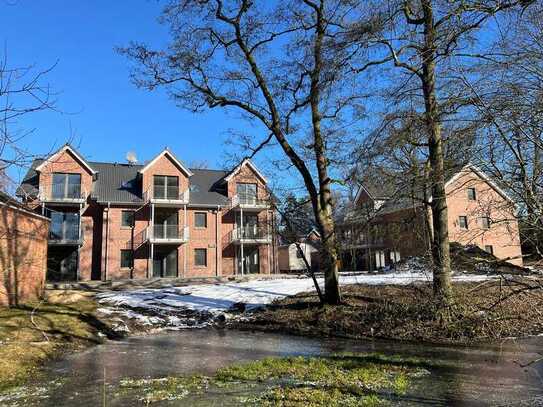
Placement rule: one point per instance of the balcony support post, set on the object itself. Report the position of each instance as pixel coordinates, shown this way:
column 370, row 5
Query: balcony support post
column 241, row 241
column 79, row 244
column 151, row 235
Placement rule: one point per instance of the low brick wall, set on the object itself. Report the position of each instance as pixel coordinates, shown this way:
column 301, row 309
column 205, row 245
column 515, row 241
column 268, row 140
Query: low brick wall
column 23, row 254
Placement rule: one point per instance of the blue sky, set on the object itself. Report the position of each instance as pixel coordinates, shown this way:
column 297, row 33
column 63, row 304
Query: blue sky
column 107, row 114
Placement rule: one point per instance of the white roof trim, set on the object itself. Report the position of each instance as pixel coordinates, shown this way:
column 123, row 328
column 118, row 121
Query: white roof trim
column 361, row 187
column 63, row 149
column 313, row 231
column 250, row 164
column 481, row 175
column 172, row 157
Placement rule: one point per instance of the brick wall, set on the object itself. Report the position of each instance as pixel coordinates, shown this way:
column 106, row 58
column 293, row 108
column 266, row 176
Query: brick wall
column 164, row 166
column 503, row 234
column 65, row 162
column 23, row 255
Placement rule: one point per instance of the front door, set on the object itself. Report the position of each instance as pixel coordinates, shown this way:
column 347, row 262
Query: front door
column 165, row 262
column 62, row 264
column 251, row 260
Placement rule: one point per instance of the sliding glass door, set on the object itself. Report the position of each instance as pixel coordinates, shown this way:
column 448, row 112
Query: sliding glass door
column 165, row 262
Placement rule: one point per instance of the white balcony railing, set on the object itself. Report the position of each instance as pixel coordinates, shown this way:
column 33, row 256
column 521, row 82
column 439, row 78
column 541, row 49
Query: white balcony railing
column 62, row 193
column 167, row 234
column 249, row 202
column 249, row 234
column 170, row 195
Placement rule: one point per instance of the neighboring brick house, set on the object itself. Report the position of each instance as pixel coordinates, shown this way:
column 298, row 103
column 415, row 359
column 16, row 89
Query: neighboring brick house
column 23, row 252
column 122, row 221
column 388, row 225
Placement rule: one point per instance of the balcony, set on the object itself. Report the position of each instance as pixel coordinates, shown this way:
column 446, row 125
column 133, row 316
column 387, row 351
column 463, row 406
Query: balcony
column 171, row 196
column 66, row 234
column 167, row 234
column 249, row 202
column 62, row 194
column 249, row 235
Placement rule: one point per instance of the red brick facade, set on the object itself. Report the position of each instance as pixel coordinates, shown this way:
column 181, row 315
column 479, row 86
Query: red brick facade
column 104, row 238
column 23, row 254
column 490, row 215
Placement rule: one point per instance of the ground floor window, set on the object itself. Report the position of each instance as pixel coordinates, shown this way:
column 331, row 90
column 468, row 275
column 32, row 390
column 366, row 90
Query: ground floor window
column 200, row 257
column 127, row 258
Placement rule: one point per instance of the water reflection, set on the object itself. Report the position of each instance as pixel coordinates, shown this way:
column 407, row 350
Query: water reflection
column 483, row 375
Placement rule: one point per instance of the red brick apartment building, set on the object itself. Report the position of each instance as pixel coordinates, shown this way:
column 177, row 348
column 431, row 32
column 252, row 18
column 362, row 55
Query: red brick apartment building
column 125, row 221
column 387, row 224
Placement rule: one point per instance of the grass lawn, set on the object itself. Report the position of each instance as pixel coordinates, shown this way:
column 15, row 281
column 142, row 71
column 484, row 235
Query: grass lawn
column 29, row 336
column 340, row 380
column 485, row 311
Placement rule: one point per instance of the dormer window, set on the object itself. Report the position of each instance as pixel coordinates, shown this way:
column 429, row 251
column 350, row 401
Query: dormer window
column 246, row 193
column 66, row 186
column 165, row 187
column 472, row 195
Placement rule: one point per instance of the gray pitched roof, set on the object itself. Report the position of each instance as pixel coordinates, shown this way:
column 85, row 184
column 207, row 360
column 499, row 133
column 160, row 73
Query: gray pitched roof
column 120, row 183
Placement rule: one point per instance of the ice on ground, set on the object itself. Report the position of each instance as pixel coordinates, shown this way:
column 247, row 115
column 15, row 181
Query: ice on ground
column 216, row 299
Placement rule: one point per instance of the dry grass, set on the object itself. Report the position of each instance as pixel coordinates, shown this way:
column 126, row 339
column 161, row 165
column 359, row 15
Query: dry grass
column 483, row 311
column 29, row 336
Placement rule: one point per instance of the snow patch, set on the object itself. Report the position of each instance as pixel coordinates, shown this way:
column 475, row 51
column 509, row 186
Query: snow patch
column 199, row 305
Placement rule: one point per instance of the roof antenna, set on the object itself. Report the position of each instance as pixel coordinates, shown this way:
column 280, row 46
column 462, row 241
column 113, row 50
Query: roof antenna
column 131, row 158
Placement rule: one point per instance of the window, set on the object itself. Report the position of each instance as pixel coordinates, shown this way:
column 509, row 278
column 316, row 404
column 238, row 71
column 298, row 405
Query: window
column 246, row 193
column 200, row 257
column 127, row 259
column 200, row 220
column 299, row 253
column 463, row 222
column 489, row 249
column 472, row 195
column 485, row 222
column 127, row 219
column 165, row 187
column 64, row 226
column 66, row 186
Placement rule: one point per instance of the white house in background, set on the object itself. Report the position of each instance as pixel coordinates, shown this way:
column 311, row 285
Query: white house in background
column 291, row 260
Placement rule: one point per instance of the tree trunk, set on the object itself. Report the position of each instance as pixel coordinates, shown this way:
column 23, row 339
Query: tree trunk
column 329, row 258
column 440, row 243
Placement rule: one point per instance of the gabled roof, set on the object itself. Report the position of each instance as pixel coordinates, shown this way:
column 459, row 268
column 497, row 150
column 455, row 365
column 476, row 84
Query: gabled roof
column 176, row 161
column 248, row 162
column 479, row 172
column 119, row 184
column 73, row 151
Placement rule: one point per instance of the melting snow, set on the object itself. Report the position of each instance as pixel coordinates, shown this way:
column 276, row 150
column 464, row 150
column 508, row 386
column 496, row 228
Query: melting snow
column 215, row 299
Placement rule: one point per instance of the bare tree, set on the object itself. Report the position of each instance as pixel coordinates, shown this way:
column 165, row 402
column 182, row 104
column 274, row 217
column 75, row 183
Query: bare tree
column 23, row 91
column 277, row 64
column 507, row 92
column 424, row 39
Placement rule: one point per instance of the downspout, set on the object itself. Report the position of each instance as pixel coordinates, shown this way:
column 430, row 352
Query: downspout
column 217, row 241
column 107, row 241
